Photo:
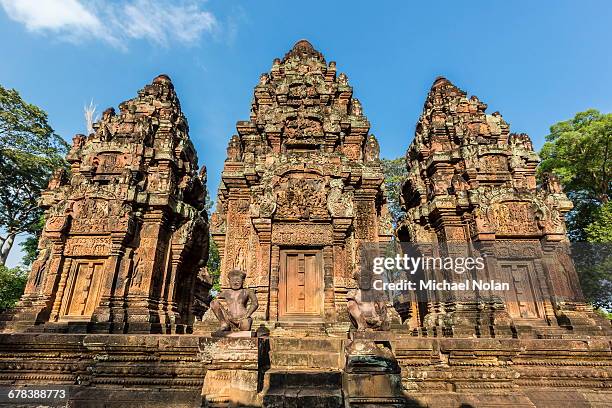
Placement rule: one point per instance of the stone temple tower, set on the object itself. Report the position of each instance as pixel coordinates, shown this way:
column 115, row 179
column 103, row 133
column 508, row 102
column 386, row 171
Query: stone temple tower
column 126, row 233
column 301, row 189
column 471, row 189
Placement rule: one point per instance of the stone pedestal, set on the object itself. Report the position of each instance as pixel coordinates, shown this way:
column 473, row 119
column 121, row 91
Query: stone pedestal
column 372, row 375
column 233, row 374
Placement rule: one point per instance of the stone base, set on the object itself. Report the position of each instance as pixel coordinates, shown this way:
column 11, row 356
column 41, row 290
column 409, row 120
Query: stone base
column 234, row 334
column 188, row 370
column 307, row 388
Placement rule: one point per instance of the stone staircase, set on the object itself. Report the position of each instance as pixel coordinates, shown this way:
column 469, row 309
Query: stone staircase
column 303, row 388
column 538, row 329
column 317, row 353
column 304, row 372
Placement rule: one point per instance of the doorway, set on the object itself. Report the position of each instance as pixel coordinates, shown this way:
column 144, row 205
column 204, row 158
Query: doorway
column 300, row 285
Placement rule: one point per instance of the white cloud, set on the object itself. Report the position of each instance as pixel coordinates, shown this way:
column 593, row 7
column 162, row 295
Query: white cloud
column 160, row 22
column 116, row 22
column 51, row 15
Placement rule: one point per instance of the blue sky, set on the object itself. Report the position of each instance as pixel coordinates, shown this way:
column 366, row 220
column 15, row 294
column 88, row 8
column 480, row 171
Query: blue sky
column 537, row 62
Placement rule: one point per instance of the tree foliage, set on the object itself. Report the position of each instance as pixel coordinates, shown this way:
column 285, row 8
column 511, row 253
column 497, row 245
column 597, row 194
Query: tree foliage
column 29, row 152
column 600, row 229
column 12, row 283
column 214, row 259
column 214, row 265
column 596, row 275
column 395, row 172
column 579, row 152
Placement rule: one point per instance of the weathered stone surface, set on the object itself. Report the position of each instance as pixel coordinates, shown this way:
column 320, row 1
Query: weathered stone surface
column 125, row 246
column 301, row 189
column 171, row 370
column 471, row 188
column 234, row 306
column 126, row 235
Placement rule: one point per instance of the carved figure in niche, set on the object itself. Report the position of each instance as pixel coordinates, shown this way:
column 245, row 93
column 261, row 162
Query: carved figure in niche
column 521, row 139
column 240, row 262
column 372, row 149
column 126, row 177
column 234, row 149
column 339, row 204
column 303, row 127
column 367, row 310
column 342, row 79
column 137, row 274
column 39, row 266
column 144, row 130
column 551, row 183
column 104, row 131
column 263, row 79
column 217, row 223
column 459, row 184
column 263, row 202
column 77, row 142
column 356, row 108
column 385, row 224
column 236, row 313
column 58, row 178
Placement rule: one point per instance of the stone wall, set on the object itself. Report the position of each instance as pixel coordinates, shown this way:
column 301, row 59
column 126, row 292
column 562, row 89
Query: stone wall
column 171, row 370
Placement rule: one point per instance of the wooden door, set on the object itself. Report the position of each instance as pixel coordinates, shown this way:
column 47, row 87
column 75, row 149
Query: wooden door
column 522, row 300
column 300, row 285
column 84, row 289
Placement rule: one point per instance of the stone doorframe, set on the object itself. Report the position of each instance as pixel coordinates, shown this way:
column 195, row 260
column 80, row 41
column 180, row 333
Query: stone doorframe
column 328, row 279
column 329, row 237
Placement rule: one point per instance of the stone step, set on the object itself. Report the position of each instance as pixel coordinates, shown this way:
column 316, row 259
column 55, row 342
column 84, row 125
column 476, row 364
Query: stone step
column 306, row 359
column 327, row 344
column 303, row 388
column 304, row 378
column 307, row 352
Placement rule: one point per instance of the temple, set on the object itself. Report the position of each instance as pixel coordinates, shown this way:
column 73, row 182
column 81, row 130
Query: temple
column 471, row 190
column 118, row 309
column 302, row 188
column 126, row 233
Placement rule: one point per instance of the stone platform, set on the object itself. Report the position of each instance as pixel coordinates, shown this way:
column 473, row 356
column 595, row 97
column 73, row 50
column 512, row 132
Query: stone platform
column 199, row 371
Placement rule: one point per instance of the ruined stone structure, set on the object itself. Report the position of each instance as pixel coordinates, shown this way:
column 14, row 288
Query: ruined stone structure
column 301, row 190
column 126, row 232
column 471, row 189
column 125, row 246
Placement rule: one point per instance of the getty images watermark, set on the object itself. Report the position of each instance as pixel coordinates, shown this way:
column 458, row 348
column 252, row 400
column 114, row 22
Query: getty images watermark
column 448, row 270
column 383, row 265
column 510, row 269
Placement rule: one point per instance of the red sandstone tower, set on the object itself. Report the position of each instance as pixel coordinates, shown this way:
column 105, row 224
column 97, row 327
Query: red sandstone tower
column 302, row 189
column 126, row 232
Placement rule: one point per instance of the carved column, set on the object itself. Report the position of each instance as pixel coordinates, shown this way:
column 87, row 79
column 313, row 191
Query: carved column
column 263, row 227
column 274, row 279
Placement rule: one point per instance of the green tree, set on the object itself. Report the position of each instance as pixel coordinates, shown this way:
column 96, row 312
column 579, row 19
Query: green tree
column 579, row 152
column 214, row 259
column 395, row 172
column 12, row 283
column 600, row 229
column 214, row 265
column 29, row 246
column 596, row 276
column 29, row 152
